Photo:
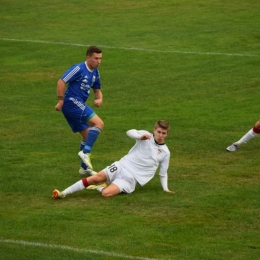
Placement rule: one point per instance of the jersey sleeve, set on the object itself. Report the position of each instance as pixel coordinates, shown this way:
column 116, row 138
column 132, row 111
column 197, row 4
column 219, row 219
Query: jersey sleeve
column 97, row 84
column 164, row 181
column 163, row 171
column 136, row 134
column 71, row 74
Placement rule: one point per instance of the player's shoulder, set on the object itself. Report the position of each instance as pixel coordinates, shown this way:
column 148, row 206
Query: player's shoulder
column 166, row 149
column 82, row 65
column 76, row 67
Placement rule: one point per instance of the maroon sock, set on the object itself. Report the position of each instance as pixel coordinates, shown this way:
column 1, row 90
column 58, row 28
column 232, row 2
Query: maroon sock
column 256, row 130
column 85, row 182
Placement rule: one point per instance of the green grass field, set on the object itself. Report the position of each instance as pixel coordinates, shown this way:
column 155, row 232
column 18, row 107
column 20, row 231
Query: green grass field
column 192, row 63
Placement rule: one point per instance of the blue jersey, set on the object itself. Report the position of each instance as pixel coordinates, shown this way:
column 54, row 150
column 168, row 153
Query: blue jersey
column 80, row 79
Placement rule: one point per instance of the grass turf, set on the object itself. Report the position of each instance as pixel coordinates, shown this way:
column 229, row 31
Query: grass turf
column 193, row 64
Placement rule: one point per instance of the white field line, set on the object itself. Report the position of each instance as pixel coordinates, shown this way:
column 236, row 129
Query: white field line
column 133, row 48
column 78, row 250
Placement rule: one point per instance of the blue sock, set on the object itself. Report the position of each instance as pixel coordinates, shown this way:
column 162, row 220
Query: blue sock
column 82, row 145
column 91, row 139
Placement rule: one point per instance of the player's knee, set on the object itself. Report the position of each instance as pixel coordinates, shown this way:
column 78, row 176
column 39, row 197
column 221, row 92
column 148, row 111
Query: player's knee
column 109, row 193
column 101, row 124
column 106, row 193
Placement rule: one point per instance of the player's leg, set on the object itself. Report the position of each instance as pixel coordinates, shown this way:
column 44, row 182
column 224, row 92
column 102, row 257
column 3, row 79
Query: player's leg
column 77, row 113
column 110, row 190
column 119, row 185
column 257, row 125
column 84, row 170
column 252, row 133
column 112, row 172
column 80, row 185
column 121, row 181
column 83, row 166
column 92, row 135
column 84, row 120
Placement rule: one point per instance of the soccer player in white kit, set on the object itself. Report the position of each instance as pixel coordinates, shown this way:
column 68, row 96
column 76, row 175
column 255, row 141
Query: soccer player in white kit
column 252, row 133
column 138, row 166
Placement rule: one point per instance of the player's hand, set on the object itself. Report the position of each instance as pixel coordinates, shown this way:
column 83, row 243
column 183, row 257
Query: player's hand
column 145, row 137
column 58, row 107
column 97, row 102
column 169, row 191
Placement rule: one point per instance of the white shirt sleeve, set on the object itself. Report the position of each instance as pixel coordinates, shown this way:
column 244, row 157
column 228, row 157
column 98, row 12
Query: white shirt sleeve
column 164, row 181
column 163, row 172
column 136, row 134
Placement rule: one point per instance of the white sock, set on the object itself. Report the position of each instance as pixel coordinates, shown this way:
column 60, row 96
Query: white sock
column 78, row 186
column 247, row 137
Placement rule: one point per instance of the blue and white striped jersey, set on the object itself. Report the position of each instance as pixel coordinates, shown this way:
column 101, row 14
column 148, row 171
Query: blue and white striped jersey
column 80, row 79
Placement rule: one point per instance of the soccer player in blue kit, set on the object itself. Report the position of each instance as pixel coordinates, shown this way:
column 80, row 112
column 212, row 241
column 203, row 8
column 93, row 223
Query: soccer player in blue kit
column 80, row 78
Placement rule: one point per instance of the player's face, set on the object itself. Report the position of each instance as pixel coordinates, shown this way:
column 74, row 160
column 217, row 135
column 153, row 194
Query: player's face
column 94, row 60
column 159, row 135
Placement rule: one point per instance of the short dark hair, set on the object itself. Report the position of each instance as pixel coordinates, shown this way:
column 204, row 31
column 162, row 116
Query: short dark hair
column 162, row 124
column 93, row 49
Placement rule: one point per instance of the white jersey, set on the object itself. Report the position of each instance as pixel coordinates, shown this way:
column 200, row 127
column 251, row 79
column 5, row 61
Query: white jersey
column 144, row 158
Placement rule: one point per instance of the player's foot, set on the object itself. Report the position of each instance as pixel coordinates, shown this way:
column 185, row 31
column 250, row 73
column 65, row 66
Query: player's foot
column 57, row 195
column 232, row 148
column 87, row 172
column 86, row 159
column 95, row 187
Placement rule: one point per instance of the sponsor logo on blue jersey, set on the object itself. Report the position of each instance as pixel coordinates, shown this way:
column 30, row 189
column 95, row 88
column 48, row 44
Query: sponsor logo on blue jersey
column 84, row 84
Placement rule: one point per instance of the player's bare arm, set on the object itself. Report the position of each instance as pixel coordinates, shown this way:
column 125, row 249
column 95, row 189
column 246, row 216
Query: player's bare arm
column 61, row 85
column 98, row 97
column 169, row 191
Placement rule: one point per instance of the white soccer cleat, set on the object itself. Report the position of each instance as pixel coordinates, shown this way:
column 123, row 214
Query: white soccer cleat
column 86, row 159
column 232, row 148
column 87, row 172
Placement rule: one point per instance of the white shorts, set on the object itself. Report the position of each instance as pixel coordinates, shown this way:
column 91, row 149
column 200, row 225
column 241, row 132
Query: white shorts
column 119, row 176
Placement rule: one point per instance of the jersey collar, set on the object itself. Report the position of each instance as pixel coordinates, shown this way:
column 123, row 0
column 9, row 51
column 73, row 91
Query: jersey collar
column 88, row 67
column 156, row 142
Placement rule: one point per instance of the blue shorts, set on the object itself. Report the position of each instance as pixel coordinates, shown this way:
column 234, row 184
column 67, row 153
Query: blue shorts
column 77, row 114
